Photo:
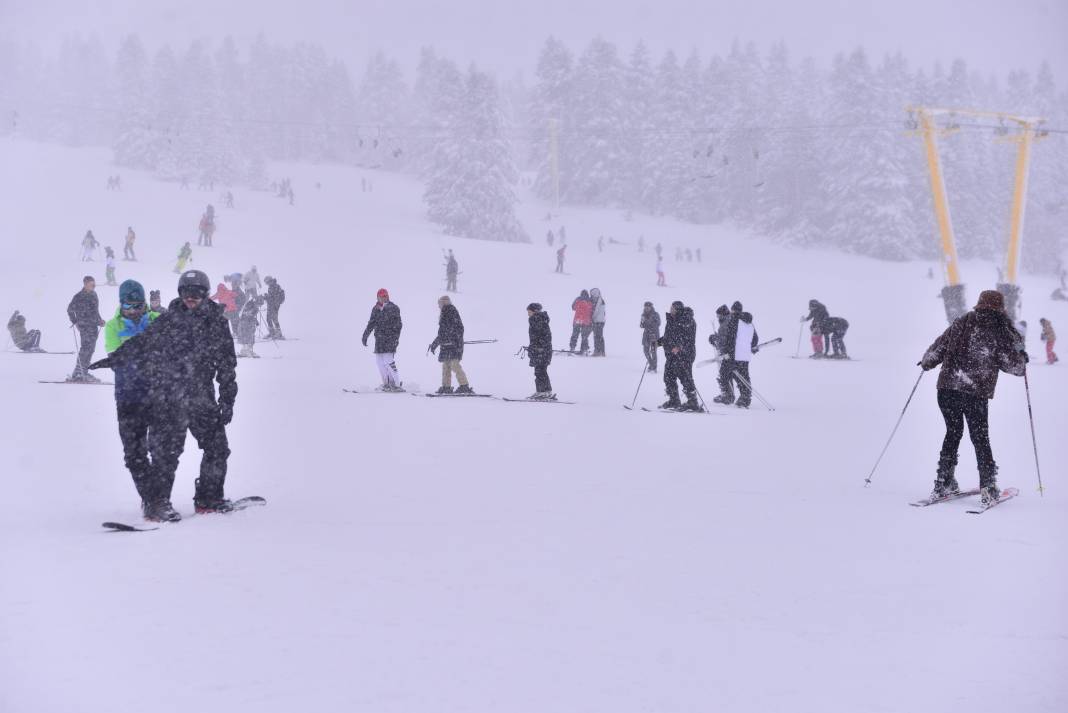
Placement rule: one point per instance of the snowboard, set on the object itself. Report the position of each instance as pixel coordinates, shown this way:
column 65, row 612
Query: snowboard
column 239, row 504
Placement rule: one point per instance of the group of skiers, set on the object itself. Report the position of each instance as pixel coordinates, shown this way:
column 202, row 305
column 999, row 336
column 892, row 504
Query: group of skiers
column 242, row 303
column 826, row 332
column 590, row 316
column 206, row 227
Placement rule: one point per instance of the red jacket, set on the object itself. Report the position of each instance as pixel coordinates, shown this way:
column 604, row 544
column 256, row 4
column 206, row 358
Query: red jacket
column 226, row 297
column 583, row 311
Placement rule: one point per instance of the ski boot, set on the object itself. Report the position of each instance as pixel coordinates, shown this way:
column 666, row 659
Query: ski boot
column 444, row 390
column 989, row 495
column 159, row 511
column 464, row 389
column 723, row 399
column 742, row 404
column 945, row 483
column 691, row 405
column 207, row 505
column 671, row 404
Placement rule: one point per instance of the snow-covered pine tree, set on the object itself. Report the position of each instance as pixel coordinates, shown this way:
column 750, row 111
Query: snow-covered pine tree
column 551, row 101
column 134, row 143
column 471, row 186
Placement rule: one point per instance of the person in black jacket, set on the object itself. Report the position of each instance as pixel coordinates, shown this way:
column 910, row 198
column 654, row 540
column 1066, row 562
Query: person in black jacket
column 84, row 313
column 680, row 350
column 540, row 350
column 650, row 326
column 451, row 341
column 181, row 354
column 26, row 340
column 736, row 341
column 275, row 297
column 385, row 322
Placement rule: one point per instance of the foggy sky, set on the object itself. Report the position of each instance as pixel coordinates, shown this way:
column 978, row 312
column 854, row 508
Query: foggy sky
column 504, row 36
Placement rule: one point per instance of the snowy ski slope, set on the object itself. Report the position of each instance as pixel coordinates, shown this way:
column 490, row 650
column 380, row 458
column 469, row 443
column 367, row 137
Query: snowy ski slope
column 445, row 555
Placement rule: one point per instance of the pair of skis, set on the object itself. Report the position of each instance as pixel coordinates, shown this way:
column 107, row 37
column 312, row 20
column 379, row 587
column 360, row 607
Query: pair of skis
column 1006, row 494
column 240, row 504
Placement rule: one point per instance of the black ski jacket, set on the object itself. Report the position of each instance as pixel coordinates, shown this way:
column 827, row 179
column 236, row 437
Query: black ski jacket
column 275, row 296
column 973, row 350
column 182, row 353
column 450, row 337
column 680, row 331
column 728, row 334
column 540, row 348
column 818, row 314
column 651, row 324
column 84, row 309
column 385, row 322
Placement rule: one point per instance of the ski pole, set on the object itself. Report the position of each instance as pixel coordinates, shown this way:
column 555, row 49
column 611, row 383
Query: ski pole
column 756, row 393
column 482, row 341
column 645, row 368
column 867, row 480
column 800, row 331
column 521, row 352
column 1034, row 444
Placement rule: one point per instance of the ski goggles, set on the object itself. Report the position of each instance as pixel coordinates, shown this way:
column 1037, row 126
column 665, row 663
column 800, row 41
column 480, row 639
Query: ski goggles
column 133, row 306
column 193, row 291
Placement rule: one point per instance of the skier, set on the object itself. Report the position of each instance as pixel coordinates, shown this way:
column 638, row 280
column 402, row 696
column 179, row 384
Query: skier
column 689, row 255
column 207, row 228
column 247, row 322
column 680, row 350
column 452, row 269
column 737, row 340
column 650, row 326
column 540, row 351
column 154, row 303
column 819, row 315
column 229, row 198
column 560, row 258
column 181, row 354
column 549, row 239
column 972, row 351
column 582, row 324
column 275, row 297
column 128, row 248
column 1050, row 338
column 641, row 246
column 251, row 281
column 89, row 244
column 27, row 341
column 697, row 253
column 84, row 313
column 659, row 251
column 184, row 255
column 599, row 317
column 660, row 281
column 600, row 244
column 228, row 299
column 386, row 323
column 109, row 266
column 451, row 341
column 563, row 235
column 836, row 328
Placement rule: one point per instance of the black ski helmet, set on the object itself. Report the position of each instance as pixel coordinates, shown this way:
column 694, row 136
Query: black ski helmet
column 194, row 278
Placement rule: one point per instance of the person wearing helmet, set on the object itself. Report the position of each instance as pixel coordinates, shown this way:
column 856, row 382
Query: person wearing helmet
column 386, row 324
column 275, row 297
column 183, row 353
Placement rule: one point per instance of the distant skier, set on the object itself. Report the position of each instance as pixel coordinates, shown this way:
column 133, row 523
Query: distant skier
column 650, row 326
column 972, row 351
column 600, row 316
column 641, row 246
column 84, row 313
column 386, row 324
column 251, row 282
column 659, row 251
column 1050, row 338
column 582, row 324
column 560, row 258
column 276, row 296
column 697, row 253
column 738, row 340
column 89, row 245
column 660, row 280
column 109, row 266
column 247, row 322
column 600, row 244
column 680, row 351
column 452, row 269
column 27, row 341
column 128, row 248
column 540, row 351
column 207, row 228
column 689, row 255
column 229, row 198
column 183, row 353
column 450, row 340
column 550, row 238
column 185, row 255
column 823, row 328
column 154, row 303
column 563, row 235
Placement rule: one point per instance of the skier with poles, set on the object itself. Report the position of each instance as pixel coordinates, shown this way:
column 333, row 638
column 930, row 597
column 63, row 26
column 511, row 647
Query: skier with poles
column 385, row 322
column 84, row 313
column 736, row 340
column 583, row 322
column 452, row 269
column 181, row 354
column 275, row 297
column 972, row 351
column 680, row 351
column 817, row 314
column 540, row 351
column 89, row 244
column 650, row 326
column 450, row 340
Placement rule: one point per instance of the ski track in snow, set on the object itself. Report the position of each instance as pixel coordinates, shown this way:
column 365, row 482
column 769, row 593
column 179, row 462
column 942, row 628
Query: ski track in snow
column 471, row 555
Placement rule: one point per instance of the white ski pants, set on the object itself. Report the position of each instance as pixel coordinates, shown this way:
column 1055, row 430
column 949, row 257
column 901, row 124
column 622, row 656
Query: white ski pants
column 387, row 367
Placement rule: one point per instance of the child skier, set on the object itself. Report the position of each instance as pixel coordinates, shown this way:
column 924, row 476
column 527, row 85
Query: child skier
column 1049, row 337
column 184, row 255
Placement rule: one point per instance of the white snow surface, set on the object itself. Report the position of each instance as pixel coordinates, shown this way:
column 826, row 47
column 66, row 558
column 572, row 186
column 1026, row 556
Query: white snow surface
column 474, row 555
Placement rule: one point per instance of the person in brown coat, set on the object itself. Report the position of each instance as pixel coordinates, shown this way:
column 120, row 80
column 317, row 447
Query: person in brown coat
column 972, row 351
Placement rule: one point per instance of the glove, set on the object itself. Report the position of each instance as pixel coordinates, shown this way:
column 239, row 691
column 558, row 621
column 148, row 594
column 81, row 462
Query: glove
column 364, row 340
column 431, row 348
column 226, row 413
column 102, row 364
column 1026, row 358
column 923, row 366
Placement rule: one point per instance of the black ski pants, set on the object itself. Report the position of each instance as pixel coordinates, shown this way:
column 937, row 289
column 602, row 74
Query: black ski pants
column 87, row 335
column 32, row 341
column 273, row 327
column 541, row 378
column 725, row 379
column 582, row 330
column 450, row 282
column 678, row 369
column 649, row 348
column 958, row 407
column 740, row 375
column 598, row 338
column 152, row 441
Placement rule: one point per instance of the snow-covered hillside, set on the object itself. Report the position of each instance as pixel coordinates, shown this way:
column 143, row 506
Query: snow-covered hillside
column 475, row 555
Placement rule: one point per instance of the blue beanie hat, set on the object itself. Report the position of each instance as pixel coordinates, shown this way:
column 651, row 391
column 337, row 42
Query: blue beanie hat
column 131, row 291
